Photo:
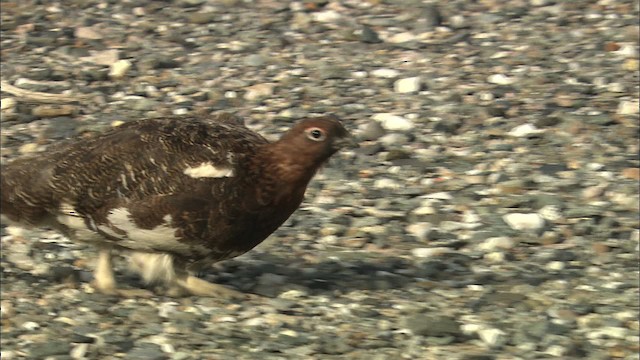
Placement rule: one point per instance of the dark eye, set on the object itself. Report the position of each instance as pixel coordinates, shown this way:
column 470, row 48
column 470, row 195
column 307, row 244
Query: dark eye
column 316, row 134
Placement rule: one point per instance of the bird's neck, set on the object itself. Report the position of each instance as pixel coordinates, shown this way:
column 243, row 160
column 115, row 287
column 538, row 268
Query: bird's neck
column 283, row 175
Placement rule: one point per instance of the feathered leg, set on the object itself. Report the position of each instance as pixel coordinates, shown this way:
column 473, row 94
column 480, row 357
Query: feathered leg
column 164, row 268
column 104, row 279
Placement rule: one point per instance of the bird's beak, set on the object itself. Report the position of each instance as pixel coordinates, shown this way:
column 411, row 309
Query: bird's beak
column 345, row 142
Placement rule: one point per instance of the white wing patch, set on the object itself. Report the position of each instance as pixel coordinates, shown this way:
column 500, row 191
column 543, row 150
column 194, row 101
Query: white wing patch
column 160, row 238
column 208, row 170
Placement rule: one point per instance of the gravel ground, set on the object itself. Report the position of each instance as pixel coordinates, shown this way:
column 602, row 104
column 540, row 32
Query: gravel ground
column 490, row 213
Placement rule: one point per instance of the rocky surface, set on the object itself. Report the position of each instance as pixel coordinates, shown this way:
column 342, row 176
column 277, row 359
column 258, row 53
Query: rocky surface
column 490, row 213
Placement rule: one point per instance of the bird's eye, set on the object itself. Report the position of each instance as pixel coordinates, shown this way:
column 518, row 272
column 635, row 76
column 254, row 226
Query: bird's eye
column 316, row 134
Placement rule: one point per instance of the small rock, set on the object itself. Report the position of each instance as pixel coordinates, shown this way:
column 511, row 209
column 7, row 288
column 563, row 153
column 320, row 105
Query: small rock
column 402, row 38
column 369, row 36
column 202, row 17
column 8, row 103
column 497, row 243
column 86, row 32
column 595, row 191
column 550, row 212
column 430, row 252
column 119, row 69
column 371, row 130
column 555, row 265
column 385, row 73
column 430, row 325
column 393, row 122
column 407, row 85
column 519, row 221
column 631, row 173
column 420, row 230
column 524, row 130
column 326, row 16
column 256, row 60
column 50, row 348
column 259, row 91
column 28, row 148
column 494, row 338
column 628, row 108
column 500, row 79
column 47, row 111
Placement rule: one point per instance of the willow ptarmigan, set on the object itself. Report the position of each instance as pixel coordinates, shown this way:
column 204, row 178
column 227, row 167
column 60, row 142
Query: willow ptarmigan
column 176, row 192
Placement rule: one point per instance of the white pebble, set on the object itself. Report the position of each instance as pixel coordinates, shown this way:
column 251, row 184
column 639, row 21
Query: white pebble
column 385, row 73
column 258, row 91
column 628, row 51
column 386, row 184
column 407, row 85
column 497, row 243
column 555, row 266
column 393, row 122
column 442, row 195
column 500, row 79
column 420, row 230
column 402, row 37
column 79, row 351
column 7, row 355
column 519, row 221
column 494, row 338
column 8, row 103
column 119, row 69
column 495, row 257
column 524, row 130
column 30, row 325
column 550, row 212
column 28, row 148
column 610, row 332
column 429, row 252
column 628, row 108
column 292, row 294
column 326, row 16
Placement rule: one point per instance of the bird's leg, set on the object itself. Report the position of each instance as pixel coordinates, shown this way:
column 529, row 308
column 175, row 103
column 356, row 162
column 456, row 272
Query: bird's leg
column 192, row 285
column 104, row 279
column 199, row 287
column 164, row 268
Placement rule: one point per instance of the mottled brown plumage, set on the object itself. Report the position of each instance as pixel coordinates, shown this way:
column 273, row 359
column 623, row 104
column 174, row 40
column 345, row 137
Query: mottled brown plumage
column 178, row 192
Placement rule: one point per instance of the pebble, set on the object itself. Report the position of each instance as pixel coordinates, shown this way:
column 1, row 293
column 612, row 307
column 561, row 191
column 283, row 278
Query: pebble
column 119, row 69
column 327, row 16
column 522, row 221
column 497, row 243
column 47, row 111
column 393, row 122
column 385, row 73
column 407, row 85
column 550, row 212
column 420, row 230
column 259, row 91
column 8, row 103
column 631, row 173
column 430, row 252
column 500, row 79
column 525, row 130
column 629, row 108
column 493, row 338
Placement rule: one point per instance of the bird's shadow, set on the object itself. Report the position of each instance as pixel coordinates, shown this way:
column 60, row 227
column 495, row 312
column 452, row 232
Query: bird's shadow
column 269, row 274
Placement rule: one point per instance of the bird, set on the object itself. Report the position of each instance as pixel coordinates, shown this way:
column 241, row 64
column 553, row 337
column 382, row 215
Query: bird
column 175, row 193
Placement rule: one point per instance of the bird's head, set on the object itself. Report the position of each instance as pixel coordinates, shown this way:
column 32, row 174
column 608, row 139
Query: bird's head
column 316, row 139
